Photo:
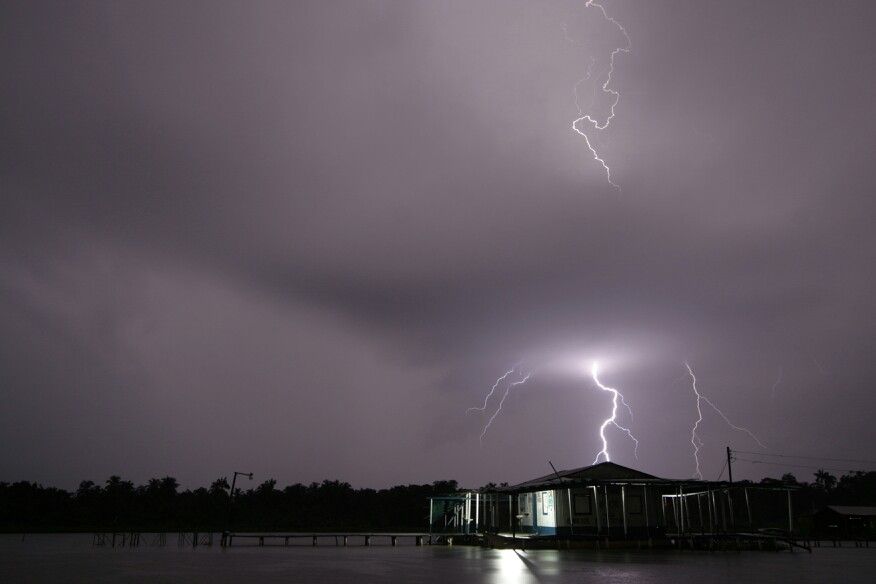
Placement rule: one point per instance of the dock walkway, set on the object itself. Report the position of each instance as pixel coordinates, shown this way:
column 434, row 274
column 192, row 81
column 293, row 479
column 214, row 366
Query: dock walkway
column 338, row 539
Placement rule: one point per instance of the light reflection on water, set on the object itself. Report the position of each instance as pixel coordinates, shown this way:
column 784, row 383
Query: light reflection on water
column 71, row 558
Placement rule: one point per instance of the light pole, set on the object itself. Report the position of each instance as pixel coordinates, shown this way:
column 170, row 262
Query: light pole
column 227, row 531
column 234, row 480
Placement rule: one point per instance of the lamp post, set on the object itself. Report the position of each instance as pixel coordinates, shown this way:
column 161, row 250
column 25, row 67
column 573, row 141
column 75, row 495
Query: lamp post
column 225, row 534
column 234, row 480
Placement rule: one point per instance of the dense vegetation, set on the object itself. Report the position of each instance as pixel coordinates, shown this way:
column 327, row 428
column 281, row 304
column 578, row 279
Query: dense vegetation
column 159, row 505
column 856, row 488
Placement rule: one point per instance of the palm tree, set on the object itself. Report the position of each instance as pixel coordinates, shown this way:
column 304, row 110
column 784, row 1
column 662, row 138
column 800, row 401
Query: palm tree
column 825, row 480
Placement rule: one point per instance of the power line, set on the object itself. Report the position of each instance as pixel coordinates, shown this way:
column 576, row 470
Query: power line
column 807, row 457
column 809, row 466
column 722, row 471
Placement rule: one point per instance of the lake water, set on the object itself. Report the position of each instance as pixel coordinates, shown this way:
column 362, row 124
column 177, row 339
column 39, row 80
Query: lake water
column 71, row 558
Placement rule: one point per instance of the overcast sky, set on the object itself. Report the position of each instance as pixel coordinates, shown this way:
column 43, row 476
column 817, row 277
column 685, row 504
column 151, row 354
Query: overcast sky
column 300, row 239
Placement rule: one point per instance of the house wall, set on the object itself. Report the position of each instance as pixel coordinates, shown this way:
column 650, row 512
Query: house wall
column 545, row 512
column 588, row 510
column 583, row 507
column 538, row 510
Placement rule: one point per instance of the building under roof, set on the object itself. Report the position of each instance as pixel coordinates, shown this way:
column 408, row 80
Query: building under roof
column 608, row 500
column 842, row 522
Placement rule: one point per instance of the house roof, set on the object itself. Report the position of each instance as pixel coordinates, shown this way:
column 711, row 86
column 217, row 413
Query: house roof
column 613, row 473
column 852, row 510
column 604, row 471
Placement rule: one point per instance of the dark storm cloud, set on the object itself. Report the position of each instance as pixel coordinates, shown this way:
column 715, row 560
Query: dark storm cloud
column 327, row 228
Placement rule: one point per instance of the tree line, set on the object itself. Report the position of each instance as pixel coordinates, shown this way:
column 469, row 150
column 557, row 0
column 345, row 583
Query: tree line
column 855, row 488
column 160, row 505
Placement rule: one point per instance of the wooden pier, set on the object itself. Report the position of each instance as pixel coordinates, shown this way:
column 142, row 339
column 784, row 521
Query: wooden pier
column 156, row 539
column 738, row 540
column 336, row 539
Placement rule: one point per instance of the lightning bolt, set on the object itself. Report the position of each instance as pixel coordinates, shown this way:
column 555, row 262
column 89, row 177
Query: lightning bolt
column 493, row 390
column 777, row 381
column 694, row 437
column 616, row 395
column 606, row 89
column 502, row 403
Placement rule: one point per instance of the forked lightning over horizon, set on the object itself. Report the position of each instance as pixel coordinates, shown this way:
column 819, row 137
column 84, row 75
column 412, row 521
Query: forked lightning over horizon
column 612, row 420
column 521, row 381
column 694, row 437
column 606, row 89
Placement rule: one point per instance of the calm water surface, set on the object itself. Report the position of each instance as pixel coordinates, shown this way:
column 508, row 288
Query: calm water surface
column 71, row 558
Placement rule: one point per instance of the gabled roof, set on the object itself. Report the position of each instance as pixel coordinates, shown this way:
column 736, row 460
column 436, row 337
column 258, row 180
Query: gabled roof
column 604, row 471
column 852, row 510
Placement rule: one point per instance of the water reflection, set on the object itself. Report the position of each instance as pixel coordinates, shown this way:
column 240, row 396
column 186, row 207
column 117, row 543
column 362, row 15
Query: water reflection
column 71, row 558
column 522, row 566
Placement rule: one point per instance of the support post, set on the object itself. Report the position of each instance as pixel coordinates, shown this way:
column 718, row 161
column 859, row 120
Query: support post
column 748, row 509
column 663, row 510
column 681, row 508
column 624, row 507
column 645, row 504
column 791, row 515
column 607, row 512
column 710, row 501
column 571, row 514
column 730, row 508
column 687, row 514
column 598, row 514
column 730, row 487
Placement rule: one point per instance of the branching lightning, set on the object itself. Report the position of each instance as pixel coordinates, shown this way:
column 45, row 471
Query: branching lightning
column 521, row 381
column 493, row 390
column 616, row 395
column 606, row 89
column 694, row 437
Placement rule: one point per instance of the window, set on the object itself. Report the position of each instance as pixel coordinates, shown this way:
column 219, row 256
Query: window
column 582, row 505
column 547, row 502
column 525, row 504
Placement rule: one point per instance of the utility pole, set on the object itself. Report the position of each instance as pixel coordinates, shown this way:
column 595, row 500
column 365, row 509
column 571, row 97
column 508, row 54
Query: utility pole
column 729, row 465
column 227, row 531
column 249, row 476
column 730, row 487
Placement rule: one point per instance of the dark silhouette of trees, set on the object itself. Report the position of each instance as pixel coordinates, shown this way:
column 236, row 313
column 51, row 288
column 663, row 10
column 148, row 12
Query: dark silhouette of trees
column 825, row 480
column 160, row 505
